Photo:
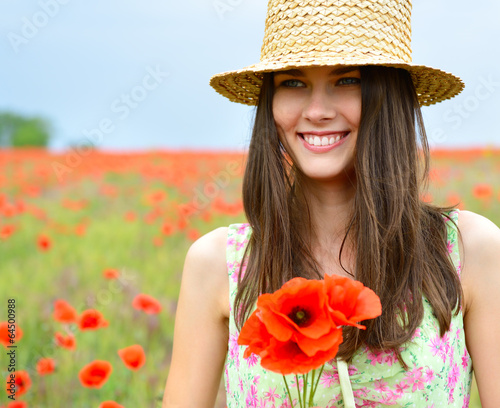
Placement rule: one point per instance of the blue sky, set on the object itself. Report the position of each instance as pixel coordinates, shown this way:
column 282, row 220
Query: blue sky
column 134, row 74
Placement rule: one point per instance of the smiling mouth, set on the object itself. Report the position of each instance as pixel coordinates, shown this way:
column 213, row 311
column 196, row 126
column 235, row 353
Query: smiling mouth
column 314, row 140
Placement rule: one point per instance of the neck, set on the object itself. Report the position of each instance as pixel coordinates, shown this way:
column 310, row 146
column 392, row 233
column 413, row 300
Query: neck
column 330, row 206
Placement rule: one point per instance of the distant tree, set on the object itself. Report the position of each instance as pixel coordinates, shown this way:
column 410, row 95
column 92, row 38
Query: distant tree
column 20, row 131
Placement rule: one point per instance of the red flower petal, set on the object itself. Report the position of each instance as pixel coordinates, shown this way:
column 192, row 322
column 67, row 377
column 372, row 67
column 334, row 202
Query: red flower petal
column 17, row 404
column 95, row 374
column 133, row 356
column 44, row 242
column 287, row 358
column 67, row 342
column 5, row 334
column 91, row 319
column 254, row 334
column 146, row 303
column 350, row 301
column 19, row 382
column 64, row 312
column 45, row 366
column 111, row 273
column 110, row 404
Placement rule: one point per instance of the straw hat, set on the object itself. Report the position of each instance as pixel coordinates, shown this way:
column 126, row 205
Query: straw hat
column 302, row 33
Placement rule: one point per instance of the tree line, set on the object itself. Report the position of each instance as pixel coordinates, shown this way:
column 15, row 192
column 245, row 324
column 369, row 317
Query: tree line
column 23, row 131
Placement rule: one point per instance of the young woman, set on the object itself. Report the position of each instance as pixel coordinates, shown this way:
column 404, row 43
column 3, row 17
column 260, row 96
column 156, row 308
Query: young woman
column 337, row 162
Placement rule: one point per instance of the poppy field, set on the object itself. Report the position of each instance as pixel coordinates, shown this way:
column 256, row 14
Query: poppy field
column 92, row 246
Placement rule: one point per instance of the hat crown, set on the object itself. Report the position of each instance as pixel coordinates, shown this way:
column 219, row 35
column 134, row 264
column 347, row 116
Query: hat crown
column 351, row 30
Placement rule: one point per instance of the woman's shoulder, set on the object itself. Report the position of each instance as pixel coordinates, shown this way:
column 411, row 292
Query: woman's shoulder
column 209, row 248
column 205, row 265
column 479, row 235
column 479, row 242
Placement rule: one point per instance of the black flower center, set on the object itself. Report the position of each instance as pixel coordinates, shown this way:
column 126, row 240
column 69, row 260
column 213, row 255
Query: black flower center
column 299, row 316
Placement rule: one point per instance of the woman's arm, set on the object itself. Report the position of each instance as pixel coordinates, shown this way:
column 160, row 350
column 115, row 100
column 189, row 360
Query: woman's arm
column 480, row 254
column 201, row 331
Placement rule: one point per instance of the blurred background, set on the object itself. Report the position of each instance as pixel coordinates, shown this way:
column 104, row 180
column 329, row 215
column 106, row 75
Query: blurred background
column 116, row 154
column 76, row 63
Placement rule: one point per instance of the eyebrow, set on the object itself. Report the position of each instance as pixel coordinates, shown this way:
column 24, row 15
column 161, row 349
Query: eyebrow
column 334, row 72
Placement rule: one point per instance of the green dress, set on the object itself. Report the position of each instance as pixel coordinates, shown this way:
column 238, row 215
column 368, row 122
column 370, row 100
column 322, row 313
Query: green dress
column 439, row 374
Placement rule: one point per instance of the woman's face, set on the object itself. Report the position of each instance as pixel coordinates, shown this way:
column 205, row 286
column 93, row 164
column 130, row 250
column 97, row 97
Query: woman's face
column 317, row 111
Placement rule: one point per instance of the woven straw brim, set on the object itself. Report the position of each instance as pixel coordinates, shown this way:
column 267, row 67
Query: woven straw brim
column 243, row 86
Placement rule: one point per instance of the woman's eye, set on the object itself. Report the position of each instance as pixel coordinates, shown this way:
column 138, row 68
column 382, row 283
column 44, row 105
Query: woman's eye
column 292, row 83
column 349, row 81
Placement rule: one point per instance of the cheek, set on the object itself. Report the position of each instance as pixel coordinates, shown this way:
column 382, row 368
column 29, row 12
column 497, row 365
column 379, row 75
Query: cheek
column 286, row 112
column 354, row 110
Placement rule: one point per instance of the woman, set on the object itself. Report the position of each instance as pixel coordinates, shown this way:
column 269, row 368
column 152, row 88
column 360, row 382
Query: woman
column 332, row 186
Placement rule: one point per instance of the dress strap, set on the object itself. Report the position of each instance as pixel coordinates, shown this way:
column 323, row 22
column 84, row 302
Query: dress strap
column 451, row 220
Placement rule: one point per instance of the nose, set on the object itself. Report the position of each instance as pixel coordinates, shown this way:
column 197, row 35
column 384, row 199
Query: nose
column 320, row 106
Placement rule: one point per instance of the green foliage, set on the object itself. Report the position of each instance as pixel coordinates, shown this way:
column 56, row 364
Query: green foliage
column 20, row 131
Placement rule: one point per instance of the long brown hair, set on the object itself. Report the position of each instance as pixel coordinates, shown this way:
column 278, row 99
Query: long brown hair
column 400, row 241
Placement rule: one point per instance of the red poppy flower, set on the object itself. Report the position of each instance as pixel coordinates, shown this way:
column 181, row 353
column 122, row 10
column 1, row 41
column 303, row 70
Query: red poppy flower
column 148, row 304
column 296, row 329
column 110, row 404
column 156, row 197
column 17, row 383
column 17, row 404
column 130, row 216
column 483, row 191
column 45, row 366
column 80, row 229
column 91, row 319
column 67, row 342
column 64, row 312
column 291, row 330
column 350, row 301
column 7, row 230
column 167, row 228
column 95, row 374
column 111, row 273
column 133, row 356
column 5, row 334
column 44, row 242
column 193, row 234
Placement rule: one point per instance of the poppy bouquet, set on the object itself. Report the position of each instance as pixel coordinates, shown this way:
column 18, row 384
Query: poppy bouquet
column 298, row 328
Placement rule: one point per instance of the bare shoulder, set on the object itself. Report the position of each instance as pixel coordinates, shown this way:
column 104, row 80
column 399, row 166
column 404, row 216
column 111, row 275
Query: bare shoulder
column 209, row 247
column 479, row 236
column 205, row 268
column 480, row 253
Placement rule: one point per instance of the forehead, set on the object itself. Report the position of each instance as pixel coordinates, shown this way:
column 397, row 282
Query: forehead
column 332, row 71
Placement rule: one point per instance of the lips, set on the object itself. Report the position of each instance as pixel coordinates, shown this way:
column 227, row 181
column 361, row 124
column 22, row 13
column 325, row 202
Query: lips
column 323, row 138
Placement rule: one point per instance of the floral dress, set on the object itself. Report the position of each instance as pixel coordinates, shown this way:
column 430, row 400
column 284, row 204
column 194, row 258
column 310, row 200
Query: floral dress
column 439, row 374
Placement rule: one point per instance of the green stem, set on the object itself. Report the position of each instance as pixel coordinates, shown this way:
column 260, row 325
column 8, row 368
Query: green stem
column 315, row 386
column 304, row 398
column 311, row 394
column 298, row 390
column 288, row 391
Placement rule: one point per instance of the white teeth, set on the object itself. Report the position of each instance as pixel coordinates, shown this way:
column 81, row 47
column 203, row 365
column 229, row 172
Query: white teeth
column 322, row 141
